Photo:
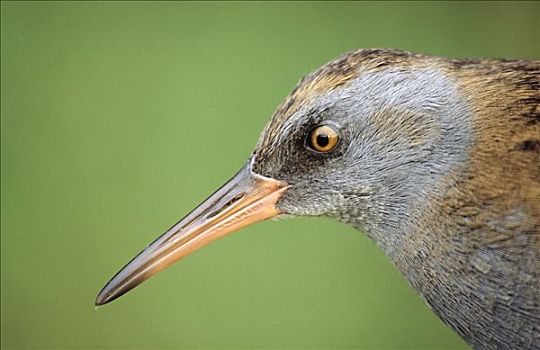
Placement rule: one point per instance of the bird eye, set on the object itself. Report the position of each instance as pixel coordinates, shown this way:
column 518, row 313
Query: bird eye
column 323, row 138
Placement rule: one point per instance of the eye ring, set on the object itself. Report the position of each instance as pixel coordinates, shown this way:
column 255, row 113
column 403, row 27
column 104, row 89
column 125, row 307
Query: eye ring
column 323, row 139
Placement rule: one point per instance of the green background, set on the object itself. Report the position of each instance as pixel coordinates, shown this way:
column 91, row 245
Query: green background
column 118, row 118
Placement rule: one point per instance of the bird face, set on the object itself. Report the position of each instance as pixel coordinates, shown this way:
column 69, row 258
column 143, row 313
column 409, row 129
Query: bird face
column 399, row 130
column 361, row 140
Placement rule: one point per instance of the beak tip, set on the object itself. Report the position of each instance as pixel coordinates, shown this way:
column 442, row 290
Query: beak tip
column 104, row 297
column 110, row 293
column 100, row 300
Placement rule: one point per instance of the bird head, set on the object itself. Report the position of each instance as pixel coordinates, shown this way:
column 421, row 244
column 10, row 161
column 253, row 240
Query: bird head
column 366, row 139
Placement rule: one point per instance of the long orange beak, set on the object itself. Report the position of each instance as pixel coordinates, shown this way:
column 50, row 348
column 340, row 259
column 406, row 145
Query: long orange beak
column 245, row 199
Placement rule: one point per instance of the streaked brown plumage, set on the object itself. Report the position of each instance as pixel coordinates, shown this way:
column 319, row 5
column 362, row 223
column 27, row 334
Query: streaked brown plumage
column 438, row 162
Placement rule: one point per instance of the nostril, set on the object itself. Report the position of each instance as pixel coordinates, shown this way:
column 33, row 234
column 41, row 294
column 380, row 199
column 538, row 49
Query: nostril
column 235, row 199
column 226, row 205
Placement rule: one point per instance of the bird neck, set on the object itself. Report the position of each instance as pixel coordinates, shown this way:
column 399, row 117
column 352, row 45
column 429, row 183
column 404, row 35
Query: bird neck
column 470, row 243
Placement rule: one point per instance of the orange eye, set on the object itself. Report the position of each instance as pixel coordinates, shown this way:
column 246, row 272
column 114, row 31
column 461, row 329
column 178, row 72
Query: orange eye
column 323, row 138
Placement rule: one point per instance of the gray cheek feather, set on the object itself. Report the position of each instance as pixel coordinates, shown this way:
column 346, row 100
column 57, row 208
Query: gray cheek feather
column 383, row 182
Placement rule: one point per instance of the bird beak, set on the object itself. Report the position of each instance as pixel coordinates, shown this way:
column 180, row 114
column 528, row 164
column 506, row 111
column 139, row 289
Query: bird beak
column 245, row 199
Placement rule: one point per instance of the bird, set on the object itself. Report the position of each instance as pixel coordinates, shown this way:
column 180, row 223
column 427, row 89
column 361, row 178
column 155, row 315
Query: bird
column 437, row 160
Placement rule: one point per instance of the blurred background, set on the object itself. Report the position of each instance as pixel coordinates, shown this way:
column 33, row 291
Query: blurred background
column 120, row 117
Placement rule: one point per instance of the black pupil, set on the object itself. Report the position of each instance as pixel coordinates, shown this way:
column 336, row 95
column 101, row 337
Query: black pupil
column 323, row 140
